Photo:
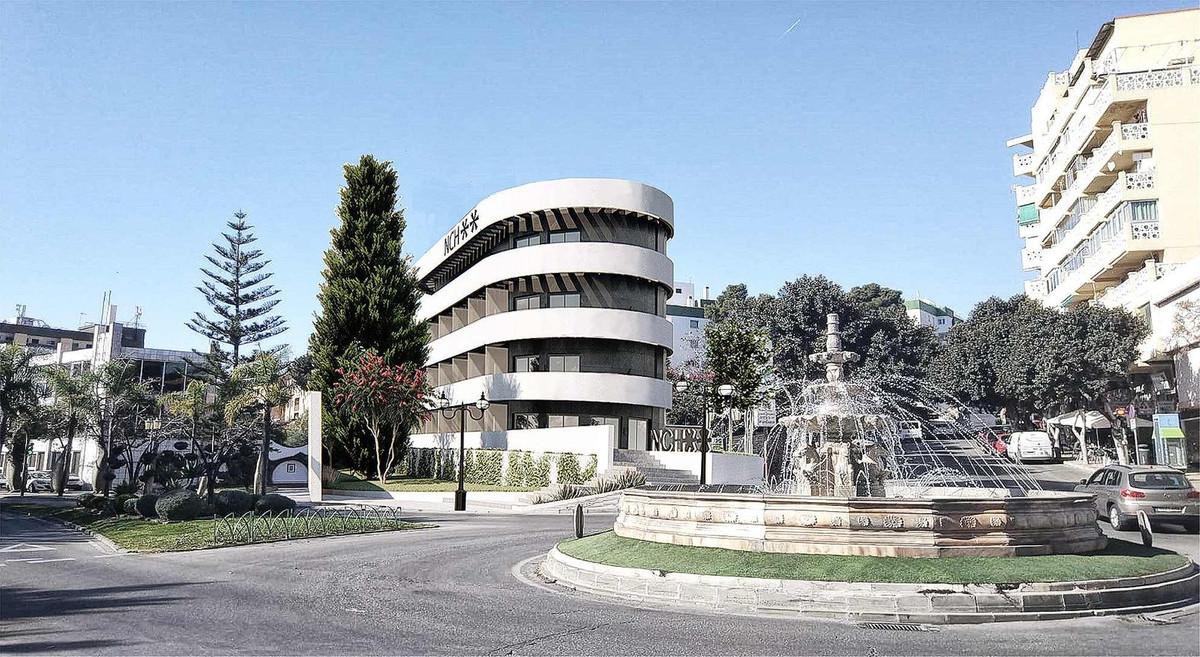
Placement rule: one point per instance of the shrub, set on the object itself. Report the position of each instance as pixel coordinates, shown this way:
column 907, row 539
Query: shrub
column 145, row 506
column 88, row 500
column 627, row 479
column 484, row 466
column 130, row 506
column 206, row 510
column 125, row 489
column 274, row 503
column 122, row 502
column 329, row 476
column 568, row 470
column 233, row 501
column 514, row 475
column 589, row 473
column 539, row 474
column 178, row 504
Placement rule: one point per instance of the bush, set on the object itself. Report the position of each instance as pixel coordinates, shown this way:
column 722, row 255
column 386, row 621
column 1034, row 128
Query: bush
column 274, row 503
column 627, row 479
column 122, row 502
column 234, row 501
column 483, row 466
column 86, row 500
column 589, row 473
column 568, row 470
column 206, row 510
column 329, row 476
column 130, row 505
column 125, row 489
column 178, row 504
column 516, row 472
column 539, row 474
column 145, row 506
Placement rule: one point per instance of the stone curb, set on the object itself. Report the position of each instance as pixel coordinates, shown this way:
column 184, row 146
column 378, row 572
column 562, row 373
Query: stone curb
column 888, row 602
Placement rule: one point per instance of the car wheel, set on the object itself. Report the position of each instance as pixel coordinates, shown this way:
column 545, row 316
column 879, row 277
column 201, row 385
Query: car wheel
column 1192, row 524
column 1117, row 519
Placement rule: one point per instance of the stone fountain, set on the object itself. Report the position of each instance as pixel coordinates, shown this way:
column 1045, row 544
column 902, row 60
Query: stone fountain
column 840, row 493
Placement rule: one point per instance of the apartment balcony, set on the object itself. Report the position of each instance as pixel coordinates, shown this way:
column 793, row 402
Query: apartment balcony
column 1025, row 194
column 1132, row 292
column 1023, row 164
column 1035, row 289
column 1031, row 258
column 1069, row 234
column 1119, row 245
column 1029, row 231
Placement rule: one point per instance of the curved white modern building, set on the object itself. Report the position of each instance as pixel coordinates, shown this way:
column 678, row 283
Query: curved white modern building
column 550, row 298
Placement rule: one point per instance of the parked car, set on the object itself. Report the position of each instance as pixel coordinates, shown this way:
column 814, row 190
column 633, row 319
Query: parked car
column 909, row 430
column 75, row 483
column 1163, row 493
column 1029, row 446
column 38, row 482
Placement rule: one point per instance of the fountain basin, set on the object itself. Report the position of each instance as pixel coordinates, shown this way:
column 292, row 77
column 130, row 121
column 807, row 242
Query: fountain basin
column 986, row 526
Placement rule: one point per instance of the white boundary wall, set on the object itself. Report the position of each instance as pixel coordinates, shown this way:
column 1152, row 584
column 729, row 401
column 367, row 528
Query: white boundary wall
column 596, row 440
column 723, row 468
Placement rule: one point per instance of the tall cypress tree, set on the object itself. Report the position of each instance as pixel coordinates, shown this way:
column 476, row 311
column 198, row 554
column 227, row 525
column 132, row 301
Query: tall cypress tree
column 369, row 298
column 241, row 300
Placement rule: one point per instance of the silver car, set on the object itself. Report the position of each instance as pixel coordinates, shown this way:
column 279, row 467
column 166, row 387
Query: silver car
column 1163, row 493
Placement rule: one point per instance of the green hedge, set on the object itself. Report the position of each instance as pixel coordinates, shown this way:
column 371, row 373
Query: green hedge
column 494, row 467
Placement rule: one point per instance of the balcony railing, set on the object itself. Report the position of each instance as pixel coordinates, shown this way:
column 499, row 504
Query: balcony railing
column 1035, row 288
column 1025, row 194
column 1022, row 164
column 1136, row 220
column 1132, row 291
column 1031, row 258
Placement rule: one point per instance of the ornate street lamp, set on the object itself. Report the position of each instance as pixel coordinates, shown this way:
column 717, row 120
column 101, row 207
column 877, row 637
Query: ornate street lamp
column 448, row 411
column 682, row 386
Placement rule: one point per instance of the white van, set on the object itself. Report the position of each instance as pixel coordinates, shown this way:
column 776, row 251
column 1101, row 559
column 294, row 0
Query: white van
column 1030, row 446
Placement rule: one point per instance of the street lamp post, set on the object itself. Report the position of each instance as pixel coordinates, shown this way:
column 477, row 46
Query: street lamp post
column 681, row 386
column 448, row 411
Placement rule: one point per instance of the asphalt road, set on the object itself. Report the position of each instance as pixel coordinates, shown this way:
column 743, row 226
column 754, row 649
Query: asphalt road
column 447, row 590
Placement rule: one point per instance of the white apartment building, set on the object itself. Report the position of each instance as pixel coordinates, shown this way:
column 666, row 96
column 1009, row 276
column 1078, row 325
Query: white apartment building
column 686, row 314
column 1110, row 207
column 924, row 312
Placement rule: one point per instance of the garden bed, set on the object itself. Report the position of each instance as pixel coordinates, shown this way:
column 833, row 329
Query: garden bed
column 1119, row 559
column 138, row 534
column 350, row 481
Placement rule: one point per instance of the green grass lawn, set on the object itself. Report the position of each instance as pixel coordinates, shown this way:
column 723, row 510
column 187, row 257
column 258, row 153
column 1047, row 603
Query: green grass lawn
column 351, row 481
column 138, row 534
column 1119, row 559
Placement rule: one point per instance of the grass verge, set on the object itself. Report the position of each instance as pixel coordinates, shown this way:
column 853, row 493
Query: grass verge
column 351, row 481
column 138, row 534
column 1119, row 559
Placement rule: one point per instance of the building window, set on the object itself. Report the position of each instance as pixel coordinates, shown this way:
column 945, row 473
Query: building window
column 563, row 421
column 678, row 291
column 564, row 300
column 528, row 302
column 528, row 240
column 639, row 430
column 564, row 236
column 597, row 420
column 291, row 468
column 694, row 323
column 525, row 421
column 525, row 364
column 564, row 363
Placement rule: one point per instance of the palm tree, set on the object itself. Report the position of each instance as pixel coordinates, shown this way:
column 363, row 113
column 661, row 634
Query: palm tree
column 75, row 398
column 259, row 384
column 18, row 388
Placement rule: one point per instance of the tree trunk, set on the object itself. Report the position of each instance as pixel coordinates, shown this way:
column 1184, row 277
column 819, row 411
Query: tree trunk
column 65, row 461
column 260, row 486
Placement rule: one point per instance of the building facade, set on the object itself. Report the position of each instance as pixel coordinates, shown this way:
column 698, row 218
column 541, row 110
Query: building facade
column 1110, row 208
column 924, row 312
column 686, row 314
column 550, row 299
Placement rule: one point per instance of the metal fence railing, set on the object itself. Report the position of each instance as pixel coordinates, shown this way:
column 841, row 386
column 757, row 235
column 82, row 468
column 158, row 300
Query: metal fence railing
column 308, row 522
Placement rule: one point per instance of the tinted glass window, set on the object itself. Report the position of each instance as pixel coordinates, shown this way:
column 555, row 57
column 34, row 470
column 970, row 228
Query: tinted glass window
column 527, row 302
column 1159, row 480
column 528, row 240
column 1112, row 478
column 564, row 236
column 1097, row 477
column 564, row 300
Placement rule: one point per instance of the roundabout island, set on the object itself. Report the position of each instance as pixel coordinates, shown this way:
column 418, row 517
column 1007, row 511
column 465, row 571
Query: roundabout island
column 858, row 526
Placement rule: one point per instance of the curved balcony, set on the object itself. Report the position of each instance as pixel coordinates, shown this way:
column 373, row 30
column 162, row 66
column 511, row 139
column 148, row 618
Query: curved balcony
column 542, row 323
column 559, row 258
column 549, row 195
column 564, row 386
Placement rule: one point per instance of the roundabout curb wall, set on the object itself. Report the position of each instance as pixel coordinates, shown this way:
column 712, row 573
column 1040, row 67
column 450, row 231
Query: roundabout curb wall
column 889, row 602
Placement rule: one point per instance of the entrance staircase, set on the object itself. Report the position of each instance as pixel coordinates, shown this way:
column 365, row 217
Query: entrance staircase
column 651, row 468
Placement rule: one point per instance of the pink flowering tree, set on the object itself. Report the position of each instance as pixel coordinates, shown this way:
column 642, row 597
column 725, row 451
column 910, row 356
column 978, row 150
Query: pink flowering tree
column 390, row 400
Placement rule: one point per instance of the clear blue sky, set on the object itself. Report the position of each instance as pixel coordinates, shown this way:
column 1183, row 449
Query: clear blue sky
column 867, row 144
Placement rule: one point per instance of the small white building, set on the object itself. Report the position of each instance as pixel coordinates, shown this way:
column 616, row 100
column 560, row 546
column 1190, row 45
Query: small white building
column 926, row 313
column 686, row 313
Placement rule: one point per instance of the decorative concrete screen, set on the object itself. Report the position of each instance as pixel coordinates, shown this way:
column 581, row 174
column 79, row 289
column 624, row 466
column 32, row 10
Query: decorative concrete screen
column 1042, row 523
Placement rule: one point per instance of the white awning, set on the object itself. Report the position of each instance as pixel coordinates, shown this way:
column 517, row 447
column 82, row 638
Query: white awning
column 1091, row 420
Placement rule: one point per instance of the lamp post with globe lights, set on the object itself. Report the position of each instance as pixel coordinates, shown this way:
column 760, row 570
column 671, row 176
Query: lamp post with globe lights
column 448, row 411
column 705, row 390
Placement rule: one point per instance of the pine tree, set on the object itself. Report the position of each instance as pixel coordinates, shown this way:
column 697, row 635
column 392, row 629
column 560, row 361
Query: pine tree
column 369, row 299
column 240, row 298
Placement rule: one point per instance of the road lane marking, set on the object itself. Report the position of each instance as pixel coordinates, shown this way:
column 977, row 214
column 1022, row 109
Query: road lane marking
column 26, row 547
column 51, row 560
